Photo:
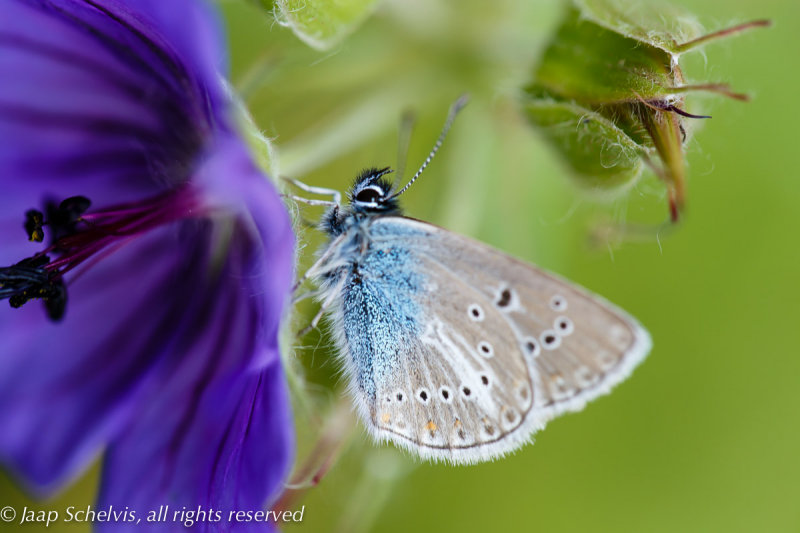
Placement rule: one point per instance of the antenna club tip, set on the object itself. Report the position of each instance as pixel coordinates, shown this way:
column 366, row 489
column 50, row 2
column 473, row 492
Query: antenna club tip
column 460, row 103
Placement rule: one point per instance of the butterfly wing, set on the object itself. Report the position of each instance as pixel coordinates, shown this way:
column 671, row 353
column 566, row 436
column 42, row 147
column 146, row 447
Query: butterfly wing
column 460, row 352
column 577, row 344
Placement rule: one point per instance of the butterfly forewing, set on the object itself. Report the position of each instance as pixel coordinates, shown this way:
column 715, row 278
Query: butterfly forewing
column 574, row 345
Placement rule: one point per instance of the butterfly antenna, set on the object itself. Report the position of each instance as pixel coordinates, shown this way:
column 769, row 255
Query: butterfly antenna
column 403, row 140
column 451, row 115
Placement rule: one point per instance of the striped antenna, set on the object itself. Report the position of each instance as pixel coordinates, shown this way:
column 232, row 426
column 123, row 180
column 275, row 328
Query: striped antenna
column 451, row 115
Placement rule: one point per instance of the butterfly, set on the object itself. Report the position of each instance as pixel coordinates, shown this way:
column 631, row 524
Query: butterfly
column 453, row 349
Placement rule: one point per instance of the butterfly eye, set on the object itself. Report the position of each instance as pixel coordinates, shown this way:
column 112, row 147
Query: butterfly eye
column 370, row 195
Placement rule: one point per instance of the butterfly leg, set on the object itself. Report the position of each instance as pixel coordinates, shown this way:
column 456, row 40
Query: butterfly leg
column 335, row 195
column 326, row 303
column 309, row 201
column 304, row 296
column 316, row 269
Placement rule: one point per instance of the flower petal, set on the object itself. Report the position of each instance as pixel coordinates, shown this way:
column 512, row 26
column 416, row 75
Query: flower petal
column 226, row 451
column 168, row 320
column 192, row 30
column 216, row 431
column 97, row 96
column 65, row 388
column 160, row 302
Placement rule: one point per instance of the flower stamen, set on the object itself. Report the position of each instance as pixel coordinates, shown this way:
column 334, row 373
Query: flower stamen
column 77, row 235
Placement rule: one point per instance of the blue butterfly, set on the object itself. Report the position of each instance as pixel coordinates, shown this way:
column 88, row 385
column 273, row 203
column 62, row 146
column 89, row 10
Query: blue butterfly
column 452, row 349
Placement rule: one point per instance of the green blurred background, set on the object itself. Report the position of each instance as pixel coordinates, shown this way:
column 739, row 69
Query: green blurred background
column 705, row 435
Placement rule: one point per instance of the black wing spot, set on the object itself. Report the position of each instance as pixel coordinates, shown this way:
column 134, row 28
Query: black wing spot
column 505, row 298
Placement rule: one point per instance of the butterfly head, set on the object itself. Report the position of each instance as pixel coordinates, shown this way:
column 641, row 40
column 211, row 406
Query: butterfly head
column 372, row 193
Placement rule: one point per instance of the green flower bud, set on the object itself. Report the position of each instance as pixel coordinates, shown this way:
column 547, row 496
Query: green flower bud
column 320, row 23
column 609, row 93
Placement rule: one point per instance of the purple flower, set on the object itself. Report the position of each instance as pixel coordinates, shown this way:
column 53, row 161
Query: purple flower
column 146, row 323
